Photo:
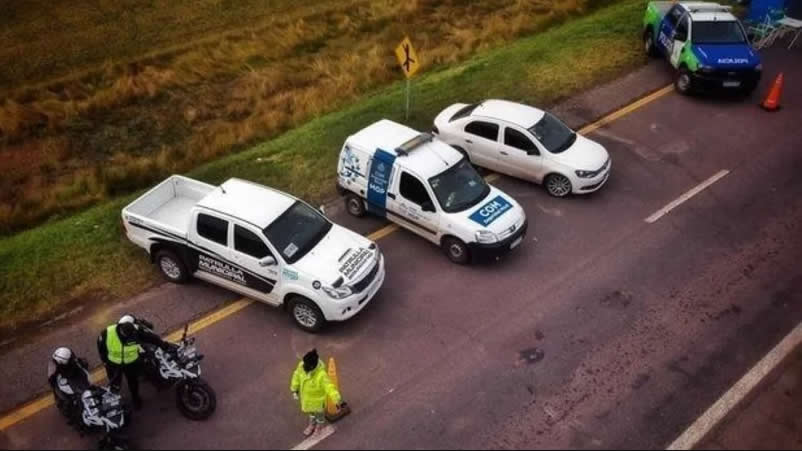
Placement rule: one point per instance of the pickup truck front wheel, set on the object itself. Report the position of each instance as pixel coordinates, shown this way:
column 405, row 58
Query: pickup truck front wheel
column 171, row 267
column 684, row 82
column 306, row 314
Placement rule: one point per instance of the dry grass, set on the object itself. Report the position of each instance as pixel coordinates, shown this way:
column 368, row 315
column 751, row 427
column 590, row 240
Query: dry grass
column 124, row 125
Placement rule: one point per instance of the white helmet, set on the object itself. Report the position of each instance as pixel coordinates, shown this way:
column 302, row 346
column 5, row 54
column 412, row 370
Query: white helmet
column 126, row 319
column 62, row 356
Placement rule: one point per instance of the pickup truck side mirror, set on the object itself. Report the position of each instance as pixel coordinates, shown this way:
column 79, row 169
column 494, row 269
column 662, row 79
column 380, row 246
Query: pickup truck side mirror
column 428, row 206
column 267, row 261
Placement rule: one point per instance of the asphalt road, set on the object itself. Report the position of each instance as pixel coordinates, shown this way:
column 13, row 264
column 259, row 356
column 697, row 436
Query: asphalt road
column 601, row 331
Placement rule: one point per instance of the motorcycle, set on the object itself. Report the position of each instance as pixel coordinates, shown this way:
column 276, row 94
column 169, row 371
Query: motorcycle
column 98, row 410
column 179, row 367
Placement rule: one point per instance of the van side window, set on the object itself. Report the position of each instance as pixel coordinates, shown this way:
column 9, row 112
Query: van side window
column 483, row 129
column 412, row 189
column 249, row 243
column 213, row 229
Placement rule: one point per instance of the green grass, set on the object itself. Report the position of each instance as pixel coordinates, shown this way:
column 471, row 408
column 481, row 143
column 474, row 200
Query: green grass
column 86, row 256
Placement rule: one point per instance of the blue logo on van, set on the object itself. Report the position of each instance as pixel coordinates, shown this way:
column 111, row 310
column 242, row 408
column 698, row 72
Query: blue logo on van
column 491, row 211
column 379, row 180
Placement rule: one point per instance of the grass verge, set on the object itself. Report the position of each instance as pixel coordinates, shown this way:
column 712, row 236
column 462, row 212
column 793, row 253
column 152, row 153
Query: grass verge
column 85, row 257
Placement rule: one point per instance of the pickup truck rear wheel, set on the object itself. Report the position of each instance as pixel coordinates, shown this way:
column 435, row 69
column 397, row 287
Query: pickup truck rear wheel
column 306, row 314
column 171, row 267
column 355, row 205
column 683, row 83
column 648, row 43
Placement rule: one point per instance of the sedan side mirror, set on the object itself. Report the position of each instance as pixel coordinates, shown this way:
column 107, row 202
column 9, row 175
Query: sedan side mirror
column 267, row 261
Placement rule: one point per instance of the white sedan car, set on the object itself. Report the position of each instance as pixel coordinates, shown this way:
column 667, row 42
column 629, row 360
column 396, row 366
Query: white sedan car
column 525, row 142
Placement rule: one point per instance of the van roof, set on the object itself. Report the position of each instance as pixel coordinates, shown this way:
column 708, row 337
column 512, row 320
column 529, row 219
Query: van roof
column 424, row 156
column 251, row 202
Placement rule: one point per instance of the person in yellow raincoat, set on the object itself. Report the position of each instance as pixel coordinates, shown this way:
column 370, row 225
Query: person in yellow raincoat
column 312, row 385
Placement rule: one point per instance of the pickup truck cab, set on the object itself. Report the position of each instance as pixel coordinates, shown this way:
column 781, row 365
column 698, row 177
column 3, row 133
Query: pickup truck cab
column 429, row 188
column 259, row 242
column 705, row 43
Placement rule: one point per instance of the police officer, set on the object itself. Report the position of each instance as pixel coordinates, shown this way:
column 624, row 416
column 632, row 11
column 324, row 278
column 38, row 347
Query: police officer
column 118, row 346
column 68, row 375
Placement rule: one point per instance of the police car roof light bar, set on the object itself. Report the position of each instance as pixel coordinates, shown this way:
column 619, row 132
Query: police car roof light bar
column 413, row 143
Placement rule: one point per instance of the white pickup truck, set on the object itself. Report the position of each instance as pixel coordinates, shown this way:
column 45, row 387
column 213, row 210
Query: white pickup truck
column 259, row 242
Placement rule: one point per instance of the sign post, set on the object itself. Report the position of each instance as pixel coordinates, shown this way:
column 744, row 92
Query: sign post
column 408, row 60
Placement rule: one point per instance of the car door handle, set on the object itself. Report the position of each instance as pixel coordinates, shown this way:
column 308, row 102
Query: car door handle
column 391, row 195
column 469, row 141
column 504, row 153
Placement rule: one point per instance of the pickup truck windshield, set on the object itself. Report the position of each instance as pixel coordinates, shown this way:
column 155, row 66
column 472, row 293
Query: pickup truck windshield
column 553, row 134
column 459, row 187
column 297, row 231
column 718, row 33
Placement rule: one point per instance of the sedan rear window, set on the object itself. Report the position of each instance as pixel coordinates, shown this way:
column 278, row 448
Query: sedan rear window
column 463, row 112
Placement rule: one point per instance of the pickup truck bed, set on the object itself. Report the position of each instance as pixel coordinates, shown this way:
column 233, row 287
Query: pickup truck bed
column 169, row 204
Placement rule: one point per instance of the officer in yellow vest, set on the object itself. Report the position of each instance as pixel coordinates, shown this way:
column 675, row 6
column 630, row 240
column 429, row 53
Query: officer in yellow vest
column 311, row 384
column 118, row 346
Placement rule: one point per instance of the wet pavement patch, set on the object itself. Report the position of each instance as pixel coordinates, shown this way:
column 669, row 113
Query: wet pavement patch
column 531, row 355
column 617, row 299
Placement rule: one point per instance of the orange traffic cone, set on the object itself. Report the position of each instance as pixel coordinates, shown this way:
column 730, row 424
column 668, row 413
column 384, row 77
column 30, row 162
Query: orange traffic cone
column 772, row 102
column 333, row 413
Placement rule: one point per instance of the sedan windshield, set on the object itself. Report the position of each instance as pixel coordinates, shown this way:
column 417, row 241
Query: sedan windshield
column 718, row 33
column 553, row 134
column 459, row 187
column 297, row 231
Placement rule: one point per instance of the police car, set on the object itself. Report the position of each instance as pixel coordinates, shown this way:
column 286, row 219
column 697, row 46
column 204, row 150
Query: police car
column 428, row 187
column 259, row 242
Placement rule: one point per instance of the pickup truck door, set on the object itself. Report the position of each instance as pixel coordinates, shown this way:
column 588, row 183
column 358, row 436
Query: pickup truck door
column 407, row 200
column 209, row 241
column 248, row 249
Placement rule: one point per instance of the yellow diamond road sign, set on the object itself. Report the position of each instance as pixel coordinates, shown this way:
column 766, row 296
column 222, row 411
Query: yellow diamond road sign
column 407, row 57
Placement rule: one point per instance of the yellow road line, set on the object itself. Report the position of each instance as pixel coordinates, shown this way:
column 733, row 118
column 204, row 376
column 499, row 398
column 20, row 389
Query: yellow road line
column 43, row 402
column 626, row 110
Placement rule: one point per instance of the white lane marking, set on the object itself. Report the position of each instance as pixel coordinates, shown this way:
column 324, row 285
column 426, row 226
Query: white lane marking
column 692, row 192
column 705, row 423
column 315, row 439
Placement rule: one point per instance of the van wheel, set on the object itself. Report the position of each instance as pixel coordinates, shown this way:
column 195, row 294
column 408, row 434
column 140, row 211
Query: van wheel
column 355, row 205
column 306, row 314
column 171, row 267
column 456, row 250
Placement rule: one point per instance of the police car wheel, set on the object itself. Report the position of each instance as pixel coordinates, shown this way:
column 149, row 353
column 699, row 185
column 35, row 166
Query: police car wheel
column 306, row 314
column 355, row 205
column 683, row 82
column 648, row 43
column 171, row 267
column 558, row 185
column 456, row 250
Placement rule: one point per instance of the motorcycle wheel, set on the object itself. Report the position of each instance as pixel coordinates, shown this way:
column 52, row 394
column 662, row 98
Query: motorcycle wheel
column 112, row 442
column 196, row 399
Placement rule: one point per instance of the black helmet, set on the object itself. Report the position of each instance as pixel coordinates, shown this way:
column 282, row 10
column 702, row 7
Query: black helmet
column 310, row 360
column 126, row 331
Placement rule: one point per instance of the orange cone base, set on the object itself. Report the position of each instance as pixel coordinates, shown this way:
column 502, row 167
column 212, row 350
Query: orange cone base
column 333, row 417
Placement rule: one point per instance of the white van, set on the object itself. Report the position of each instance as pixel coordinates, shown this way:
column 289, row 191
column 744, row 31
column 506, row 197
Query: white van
column 428, row 187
